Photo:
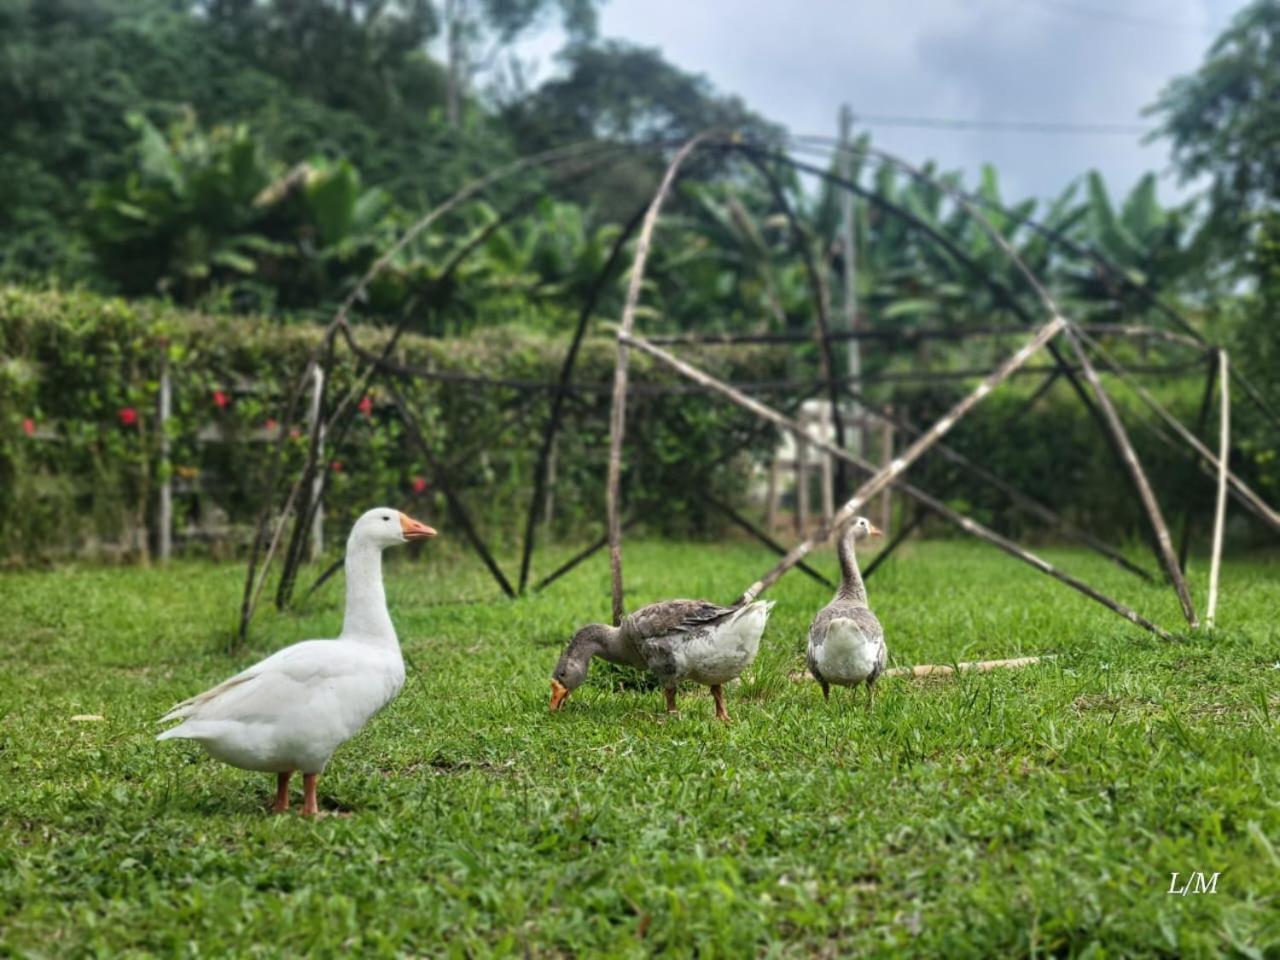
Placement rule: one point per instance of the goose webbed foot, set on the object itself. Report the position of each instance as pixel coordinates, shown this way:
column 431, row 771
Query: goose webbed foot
column 310, row 808
column 717, row 693
column 282, row 792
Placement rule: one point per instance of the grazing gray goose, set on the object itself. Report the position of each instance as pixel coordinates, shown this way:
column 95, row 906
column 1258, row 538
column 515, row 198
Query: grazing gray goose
column 676, row 640
column 846, row 641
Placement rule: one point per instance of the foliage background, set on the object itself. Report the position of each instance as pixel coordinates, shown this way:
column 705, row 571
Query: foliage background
column 232, row 167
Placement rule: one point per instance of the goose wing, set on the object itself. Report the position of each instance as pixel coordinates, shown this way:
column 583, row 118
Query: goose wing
column 306, row 664
column 675, row 616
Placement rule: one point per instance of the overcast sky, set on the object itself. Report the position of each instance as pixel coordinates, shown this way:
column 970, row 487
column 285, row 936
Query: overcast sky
column 1057, row 61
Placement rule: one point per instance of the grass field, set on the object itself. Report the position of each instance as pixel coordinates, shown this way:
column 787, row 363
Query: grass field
column 1023, row 812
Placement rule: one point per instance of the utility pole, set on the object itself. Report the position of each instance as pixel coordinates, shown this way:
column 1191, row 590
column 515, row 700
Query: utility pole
column 455, row 15
column 849, row 254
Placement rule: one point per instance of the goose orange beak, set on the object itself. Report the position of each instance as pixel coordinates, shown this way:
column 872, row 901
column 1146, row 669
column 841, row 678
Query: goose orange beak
column 559, row 694
column 413, row 530
column 875, row 531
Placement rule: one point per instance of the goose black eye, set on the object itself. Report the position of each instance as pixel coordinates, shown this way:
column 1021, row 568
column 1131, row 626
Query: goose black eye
column 385, row 517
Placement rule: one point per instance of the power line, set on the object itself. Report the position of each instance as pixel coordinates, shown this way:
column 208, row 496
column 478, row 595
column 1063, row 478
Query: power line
column 1100, row 13
column 1014, row 126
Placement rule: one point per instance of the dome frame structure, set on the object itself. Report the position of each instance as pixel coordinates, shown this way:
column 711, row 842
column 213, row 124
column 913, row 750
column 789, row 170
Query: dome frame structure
column 1071, row 346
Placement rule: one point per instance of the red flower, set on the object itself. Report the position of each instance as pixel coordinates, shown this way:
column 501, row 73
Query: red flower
column 365, row 405
column 128, row 416
column 419, row 484
column 29, row 427
column 295, row 433
column 220, row 399
column 336, row 466
column 271, row 423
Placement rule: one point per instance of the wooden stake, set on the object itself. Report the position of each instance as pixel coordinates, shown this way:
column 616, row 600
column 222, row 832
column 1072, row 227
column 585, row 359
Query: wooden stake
column 771, row 496
column 1220, row 507
column 886, row 456
column 934, row 504
column 317, row 510
column 164, row 518
column 802, row 486
column 618, row 410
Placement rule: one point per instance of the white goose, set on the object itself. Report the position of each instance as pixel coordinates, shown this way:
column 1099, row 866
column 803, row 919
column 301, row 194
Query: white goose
column 292, row 710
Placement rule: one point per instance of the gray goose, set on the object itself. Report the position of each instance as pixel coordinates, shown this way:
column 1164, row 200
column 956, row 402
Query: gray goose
column 846, row 641
column 675, row 640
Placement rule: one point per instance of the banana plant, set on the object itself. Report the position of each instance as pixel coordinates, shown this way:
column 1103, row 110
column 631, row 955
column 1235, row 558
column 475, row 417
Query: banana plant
column 182, row 219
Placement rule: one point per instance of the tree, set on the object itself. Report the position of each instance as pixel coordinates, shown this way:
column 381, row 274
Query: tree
column 617, row 91
column 1224, row 122
column 470, row 24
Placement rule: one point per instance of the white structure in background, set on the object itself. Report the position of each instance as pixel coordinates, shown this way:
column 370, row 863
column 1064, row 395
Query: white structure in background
column 796, row 463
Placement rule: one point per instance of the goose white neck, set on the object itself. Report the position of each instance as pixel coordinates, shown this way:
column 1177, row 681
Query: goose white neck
column 366, row 616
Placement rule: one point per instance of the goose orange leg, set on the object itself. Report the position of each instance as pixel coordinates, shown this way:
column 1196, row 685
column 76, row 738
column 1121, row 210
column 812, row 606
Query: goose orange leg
column 309, row 806
column 717, row 693
column 282, row 792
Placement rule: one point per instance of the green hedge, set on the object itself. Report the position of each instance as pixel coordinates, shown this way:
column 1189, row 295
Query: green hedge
column 79, row 381
column 79, row 463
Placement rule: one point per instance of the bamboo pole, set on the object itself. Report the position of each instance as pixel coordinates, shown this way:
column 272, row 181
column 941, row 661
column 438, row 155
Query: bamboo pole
column 1111, row 425
column 563, row 385
column 965, row 666
column 898, row 539
column 1202, row 420
column 578, row 558
column 906, row 337
column 740, row 521
column 1220, row 507
column 312, row 506
column 445, row 484
column 618, row 410
column 937, row 506
column 1039, row 392
column 821, row 298
column 1018, row 498
column 886, row 475
column 1164, row 542
column 252, row 588
column 1142, row 288
column 1263, row 509
column 323, row 355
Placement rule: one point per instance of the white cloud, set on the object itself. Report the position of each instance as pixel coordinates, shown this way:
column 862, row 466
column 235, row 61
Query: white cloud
column 1008, row 60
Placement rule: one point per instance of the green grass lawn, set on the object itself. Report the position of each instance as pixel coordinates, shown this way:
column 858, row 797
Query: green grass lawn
column 1019, row 812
